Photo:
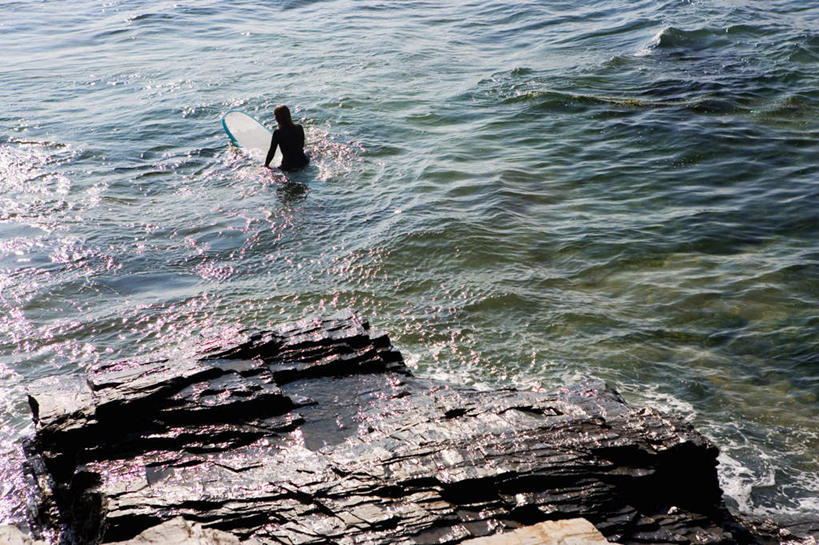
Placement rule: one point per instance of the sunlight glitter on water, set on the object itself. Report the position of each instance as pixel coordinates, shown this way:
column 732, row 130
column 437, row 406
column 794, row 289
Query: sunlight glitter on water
column 30, row 189
column 624, row 190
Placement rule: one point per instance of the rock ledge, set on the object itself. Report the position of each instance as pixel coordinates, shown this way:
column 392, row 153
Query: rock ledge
column 316, row 432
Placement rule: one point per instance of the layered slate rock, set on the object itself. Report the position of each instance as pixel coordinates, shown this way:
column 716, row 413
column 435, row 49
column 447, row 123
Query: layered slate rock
column 316, row 432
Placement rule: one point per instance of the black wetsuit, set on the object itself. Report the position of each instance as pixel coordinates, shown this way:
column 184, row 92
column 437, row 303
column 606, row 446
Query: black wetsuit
column 291, row 140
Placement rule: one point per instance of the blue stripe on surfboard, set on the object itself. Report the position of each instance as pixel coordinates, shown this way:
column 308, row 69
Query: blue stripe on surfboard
column 230, row 135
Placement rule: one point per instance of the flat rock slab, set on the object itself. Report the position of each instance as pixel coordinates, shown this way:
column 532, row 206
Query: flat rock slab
column 179, row 531
column 316, row 432
column 560, row 532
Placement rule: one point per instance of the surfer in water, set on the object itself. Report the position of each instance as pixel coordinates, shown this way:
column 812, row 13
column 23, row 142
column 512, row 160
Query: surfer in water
column 290, row 138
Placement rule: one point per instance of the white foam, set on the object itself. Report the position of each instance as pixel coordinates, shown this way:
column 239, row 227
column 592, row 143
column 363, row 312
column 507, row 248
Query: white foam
column 650, row 45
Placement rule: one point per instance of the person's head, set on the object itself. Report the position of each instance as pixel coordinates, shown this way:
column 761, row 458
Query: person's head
column 282, row 115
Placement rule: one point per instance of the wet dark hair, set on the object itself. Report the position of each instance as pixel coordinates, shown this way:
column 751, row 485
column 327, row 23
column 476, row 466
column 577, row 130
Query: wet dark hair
column 282, row 115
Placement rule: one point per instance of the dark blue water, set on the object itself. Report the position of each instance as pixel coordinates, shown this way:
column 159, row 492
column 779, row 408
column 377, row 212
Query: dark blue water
column 520, row 193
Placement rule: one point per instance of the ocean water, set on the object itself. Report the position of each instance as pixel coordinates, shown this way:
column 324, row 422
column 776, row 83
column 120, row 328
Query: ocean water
column 520, row 193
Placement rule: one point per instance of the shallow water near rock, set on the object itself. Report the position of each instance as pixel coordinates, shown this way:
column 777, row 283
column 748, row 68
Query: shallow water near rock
column 520, row 193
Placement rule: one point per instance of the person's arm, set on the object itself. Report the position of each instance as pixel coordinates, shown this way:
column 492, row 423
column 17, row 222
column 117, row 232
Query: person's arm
column 272, row 151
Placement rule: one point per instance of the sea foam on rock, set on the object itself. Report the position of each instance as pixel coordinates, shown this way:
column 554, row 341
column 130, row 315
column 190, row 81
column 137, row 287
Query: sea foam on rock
column 316, row 432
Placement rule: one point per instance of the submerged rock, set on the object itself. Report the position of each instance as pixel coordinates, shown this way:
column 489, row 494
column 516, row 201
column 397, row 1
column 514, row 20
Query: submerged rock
column 316, row 432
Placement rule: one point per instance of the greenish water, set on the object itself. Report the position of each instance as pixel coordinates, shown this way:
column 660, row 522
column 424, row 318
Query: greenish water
column 519, row 193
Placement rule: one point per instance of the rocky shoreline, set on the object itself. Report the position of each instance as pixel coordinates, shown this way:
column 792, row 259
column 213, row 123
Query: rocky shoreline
column 317, row 432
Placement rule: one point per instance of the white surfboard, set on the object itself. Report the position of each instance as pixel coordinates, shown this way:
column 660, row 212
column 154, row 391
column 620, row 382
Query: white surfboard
column 247, row 133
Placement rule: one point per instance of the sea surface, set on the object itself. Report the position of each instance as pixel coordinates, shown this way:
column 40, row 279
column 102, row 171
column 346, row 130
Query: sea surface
column 521, row 193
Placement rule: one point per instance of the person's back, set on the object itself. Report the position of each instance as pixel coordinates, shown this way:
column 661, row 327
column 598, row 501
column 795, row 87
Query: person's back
column 290, row 138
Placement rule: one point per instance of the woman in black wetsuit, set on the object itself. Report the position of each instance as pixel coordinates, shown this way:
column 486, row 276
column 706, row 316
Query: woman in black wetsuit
column 290, row 137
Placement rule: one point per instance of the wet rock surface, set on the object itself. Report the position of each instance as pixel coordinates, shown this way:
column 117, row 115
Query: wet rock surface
column 560, row 532
column 316, row 432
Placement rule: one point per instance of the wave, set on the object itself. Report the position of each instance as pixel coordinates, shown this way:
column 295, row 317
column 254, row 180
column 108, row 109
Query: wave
column 797, row 46
column 714, row 83
column 568, row 101
column 148, row 17
column 701, row 38
column 803, row 49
